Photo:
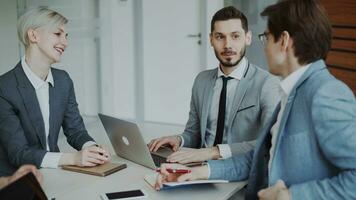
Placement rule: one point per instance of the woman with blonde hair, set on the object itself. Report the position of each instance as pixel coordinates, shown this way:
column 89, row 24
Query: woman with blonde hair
column 36, row 100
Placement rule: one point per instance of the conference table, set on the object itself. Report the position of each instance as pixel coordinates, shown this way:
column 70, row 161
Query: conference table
column 62, row 184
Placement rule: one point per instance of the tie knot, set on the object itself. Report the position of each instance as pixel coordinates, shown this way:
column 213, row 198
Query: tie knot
column 225, row 79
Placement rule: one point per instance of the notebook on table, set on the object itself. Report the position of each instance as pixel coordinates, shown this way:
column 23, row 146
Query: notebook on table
column 100, row 170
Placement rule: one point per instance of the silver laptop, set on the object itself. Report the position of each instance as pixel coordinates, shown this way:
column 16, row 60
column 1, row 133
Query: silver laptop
column 128, row 143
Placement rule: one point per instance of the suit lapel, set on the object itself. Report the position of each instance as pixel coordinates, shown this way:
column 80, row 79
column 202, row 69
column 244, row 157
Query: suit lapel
column 207, row 98
column 32, row 106
column 241, row 89
column 316, row 66
column 259, row 172
column 267, row 129
column 284, row 118
column 53, row 98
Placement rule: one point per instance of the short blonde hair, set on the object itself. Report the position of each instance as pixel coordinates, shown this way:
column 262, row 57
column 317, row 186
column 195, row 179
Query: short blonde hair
column 35, row 18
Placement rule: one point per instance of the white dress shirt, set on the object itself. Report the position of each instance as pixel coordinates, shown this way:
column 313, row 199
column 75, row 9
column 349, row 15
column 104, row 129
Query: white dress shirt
column 51, row 159
column 237, row 74
column 286, row 86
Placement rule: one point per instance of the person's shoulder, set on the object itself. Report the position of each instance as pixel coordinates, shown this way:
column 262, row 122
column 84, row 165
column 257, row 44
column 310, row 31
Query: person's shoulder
column 204, row 77
column 60, row 75
column 324, row 83
column 8, row 78
column 259, row 71
column 207, row 74
column 61, row 78
column 263, row 76
column 59, row 72
column 321, row 77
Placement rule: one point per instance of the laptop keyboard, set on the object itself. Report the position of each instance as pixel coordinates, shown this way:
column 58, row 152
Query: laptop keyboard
column 158, row 160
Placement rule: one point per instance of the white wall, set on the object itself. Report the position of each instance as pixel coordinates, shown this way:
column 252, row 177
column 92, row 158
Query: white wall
column 171, row 59
column 117, row 58
column 81, row 60
column 211, row 8
column 9, row 52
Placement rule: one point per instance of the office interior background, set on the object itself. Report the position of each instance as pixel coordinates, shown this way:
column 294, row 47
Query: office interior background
column 133, row 59
column 136, row 59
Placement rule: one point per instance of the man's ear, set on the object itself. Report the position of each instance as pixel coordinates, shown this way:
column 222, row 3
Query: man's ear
column 248, row 38
column 32, row 35
column 285, row 40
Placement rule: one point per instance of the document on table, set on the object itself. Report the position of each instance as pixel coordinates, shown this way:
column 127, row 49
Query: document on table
column 151, row 180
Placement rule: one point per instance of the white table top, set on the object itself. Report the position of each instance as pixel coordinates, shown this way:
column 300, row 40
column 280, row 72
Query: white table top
column 63, row 184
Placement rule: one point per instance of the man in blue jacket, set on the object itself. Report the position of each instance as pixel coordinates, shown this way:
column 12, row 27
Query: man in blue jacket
column 307, row 150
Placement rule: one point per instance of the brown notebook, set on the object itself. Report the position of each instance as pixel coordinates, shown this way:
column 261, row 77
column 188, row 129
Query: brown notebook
column 101, row 170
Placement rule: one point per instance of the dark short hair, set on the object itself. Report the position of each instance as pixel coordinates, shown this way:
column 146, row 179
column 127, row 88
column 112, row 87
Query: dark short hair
column 227, row 13
column 306, row 22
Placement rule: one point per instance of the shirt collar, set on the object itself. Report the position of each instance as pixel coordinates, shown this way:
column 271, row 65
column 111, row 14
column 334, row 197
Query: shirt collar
column 238, row 72
column 289, row 82
column 36, row 81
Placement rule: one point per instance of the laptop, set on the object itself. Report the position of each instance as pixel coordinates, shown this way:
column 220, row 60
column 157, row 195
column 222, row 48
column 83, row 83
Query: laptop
column 128, row 142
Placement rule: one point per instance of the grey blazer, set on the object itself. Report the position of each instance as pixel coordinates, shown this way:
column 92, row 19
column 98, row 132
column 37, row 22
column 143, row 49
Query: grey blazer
column 257, row 95
column 22, row 134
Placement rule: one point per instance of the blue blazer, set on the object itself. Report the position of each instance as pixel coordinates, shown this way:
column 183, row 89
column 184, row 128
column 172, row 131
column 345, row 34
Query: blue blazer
column 22, row 134
column 315, row 152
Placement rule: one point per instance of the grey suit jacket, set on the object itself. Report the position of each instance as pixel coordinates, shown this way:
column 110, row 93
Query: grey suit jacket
column 257, row 95
column 22, row 134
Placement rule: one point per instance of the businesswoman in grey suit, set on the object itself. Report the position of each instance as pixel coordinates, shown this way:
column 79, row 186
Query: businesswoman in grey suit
column 37, row 100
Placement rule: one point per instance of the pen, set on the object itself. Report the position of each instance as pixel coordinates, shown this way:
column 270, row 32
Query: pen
column 181, row 171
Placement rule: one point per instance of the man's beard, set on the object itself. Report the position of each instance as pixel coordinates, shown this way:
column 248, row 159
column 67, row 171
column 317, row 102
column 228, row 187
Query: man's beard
column 229, row 64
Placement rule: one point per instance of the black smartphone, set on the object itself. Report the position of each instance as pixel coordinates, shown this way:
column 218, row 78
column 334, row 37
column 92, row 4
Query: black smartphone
column 131, row 194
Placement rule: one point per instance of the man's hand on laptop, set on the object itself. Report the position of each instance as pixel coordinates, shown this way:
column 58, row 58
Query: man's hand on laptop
column 188, row 155
column 173, row 141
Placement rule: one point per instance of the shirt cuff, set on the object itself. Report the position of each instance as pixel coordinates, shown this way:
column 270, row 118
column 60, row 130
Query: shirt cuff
column 87, row 144
column 208, row 170
column 182, row 141
column 51, row 160
column 225, row 151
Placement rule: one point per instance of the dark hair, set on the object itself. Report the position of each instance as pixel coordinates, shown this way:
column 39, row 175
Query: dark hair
column 306, row 22
column 227, row 13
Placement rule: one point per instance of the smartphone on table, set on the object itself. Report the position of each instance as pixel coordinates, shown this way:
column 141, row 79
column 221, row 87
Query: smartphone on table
column 130, row 194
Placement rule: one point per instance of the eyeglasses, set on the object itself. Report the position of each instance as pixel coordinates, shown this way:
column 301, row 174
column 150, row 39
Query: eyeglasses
column 263, row 37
